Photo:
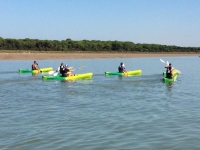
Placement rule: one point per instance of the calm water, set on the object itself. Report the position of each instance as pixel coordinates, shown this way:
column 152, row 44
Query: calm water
column 102, row 113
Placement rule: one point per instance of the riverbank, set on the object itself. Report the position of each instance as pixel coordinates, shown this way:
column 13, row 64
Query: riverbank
column 7, row 55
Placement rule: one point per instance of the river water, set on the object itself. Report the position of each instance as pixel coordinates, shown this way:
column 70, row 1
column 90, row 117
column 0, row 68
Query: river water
column 105, row 112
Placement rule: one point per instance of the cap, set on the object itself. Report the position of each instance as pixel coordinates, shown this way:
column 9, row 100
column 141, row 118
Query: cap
column 66, row 65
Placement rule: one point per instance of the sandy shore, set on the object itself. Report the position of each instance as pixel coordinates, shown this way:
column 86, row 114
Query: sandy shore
column 80, row 55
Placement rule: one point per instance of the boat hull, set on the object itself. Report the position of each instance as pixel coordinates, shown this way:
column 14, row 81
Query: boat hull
column 35, row 71
column 73, row 77
column 132, row 72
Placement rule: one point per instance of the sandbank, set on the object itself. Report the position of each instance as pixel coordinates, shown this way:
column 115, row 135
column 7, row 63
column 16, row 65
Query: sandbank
column 6, row 55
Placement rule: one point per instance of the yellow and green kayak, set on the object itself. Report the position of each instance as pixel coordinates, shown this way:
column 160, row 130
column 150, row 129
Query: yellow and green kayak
column 132, row 72
column 175, row 75
column 73, row 77
column 35, row 71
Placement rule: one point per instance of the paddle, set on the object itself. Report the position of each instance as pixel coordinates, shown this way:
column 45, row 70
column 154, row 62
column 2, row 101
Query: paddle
column 54, row 72
column 167, row 63
column 82, row 67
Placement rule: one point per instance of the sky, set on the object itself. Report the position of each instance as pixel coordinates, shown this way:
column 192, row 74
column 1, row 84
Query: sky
column 166, row 22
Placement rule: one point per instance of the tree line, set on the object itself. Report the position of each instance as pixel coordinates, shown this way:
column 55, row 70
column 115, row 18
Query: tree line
column 69, row 45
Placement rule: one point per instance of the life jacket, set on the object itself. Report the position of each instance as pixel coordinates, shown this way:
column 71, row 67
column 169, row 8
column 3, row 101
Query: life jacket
column 120, row 68
column 169, row 72
column 62, row 69
column 65, row 71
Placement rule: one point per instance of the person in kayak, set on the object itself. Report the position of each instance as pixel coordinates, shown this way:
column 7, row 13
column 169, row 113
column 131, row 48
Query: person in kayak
column 67, row 71
column 122, row 68
column 169, row 70
column 35, row 66
column 61, row 68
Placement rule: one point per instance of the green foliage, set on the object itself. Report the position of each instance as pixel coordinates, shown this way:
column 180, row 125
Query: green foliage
column 86, row 45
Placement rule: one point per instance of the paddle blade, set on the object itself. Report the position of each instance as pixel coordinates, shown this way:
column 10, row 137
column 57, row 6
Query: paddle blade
column 55, row 74
column 162, row 61
column 179, row 71
column 51, row 72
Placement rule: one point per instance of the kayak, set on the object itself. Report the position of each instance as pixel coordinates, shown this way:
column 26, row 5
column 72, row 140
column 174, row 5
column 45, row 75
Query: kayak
column 35, row 71
column 132, row 72
column 171, row 79
column 173, row 72
column 73, row 77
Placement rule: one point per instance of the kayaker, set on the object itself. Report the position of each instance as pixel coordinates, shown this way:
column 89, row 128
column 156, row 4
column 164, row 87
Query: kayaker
column 61, row 68
column 169, row 71
column 67, row 71
column 35, row 66
column 122, row 68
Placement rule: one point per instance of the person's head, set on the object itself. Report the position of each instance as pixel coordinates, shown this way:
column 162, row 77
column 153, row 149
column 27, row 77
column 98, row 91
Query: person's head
column 35, row 62
column 121, row 63
column 62, row 64
column 66, row 66
column 170, row 64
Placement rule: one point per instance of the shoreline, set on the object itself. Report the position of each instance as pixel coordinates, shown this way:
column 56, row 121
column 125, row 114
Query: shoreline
column 7, row 55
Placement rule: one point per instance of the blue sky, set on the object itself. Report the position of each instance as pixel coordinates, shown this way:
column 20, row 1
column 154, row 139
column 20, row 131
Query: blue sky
column 167, row 22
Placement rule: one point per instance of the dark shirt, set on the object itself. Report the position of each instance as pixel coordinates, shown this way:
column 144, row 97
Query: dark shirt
column 64, row 73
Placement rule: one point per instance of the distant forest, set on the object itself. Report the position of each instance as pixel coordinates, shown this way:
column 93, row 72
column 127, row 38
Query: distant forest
column 69, row 45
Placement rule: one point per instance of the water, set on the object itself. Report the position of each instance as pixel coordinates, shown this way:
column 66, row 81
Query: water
column 137, row 112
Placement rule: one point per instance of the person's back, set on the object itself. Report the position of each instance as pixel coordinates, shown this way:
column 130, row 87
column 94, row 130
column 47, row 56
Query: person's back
column 121, row 68
column 34, row 66
column 61, row 68
column 169, row 71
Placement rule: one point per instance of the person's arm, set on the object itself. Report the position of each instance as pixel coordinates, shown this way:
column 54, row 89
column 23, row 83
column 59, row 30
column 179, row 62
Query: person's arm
column 37, row 67
column 71, row 70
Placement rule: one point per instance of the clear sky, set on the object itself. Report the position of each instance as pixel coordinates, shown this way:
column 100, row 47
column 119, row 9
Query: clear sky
column 167, row 22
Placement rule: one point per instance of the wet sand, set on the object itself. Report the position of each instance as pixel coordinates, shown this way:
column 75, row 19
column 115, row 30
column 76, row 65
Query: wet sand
column 84, row 55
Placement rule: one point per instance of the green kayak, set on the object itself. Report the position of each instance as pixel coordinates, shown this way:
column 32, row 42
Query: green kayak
column 132, row 72
column 35, row 71
column 73, row 77
column 171, row 79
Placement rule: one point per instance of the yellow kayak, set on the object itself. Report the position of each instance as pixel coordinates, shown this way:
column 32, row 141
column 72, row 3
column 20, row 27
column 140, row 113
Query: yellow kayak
column 131, row 72
column 73, row 77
